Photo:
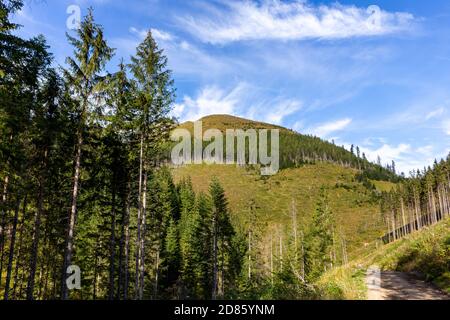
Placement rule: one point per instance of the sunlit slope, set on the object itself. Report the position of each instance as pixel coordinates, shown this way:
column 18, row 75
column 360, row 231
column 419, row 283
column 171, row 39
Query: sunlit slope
column 356, row 210
column 297, row 149
column 223, row 122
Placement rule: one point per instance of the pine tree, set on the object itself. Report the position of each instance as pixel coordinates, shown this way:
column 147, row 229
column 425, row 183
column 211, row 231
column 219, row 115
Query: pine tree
column 153, row 97
column 223, row 235
column 90, row 56
column 319, row 238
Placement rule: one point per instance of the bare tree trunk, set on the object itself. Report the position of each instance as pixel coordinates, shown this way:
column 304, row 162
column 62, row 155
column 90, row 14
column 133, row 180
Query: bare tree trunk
column 124, row 249
column 393, row 226
column 433, row 206
column 11, row 248
column 403, row 217
column 3, row 223
column 249, row 254
column 222, row 268
column 303, row 254
column 214, row 284
column 386, row 220
column 281, row 253
column 112, row 240
column 143, row 235
column 72, row 216
column 418, row 211
column 94, row 291
column 35, row 243
column 294, row 228
column 271, row 258
column 155, row 292
column 19, row 250
column 139, row 222
column 127, row 254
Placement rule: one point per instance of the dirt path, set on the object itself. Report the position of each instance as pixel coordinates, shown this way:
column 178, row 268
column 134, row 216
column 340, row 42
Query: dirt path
column 392, row 285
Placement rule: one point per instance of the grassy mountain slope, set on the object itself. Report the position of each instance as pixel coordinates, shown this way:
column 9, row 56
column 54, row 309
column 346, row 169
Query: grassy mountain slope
column 356, row 211
column 308, row 163
column 224, row 121
column 297, row 149
column 426, row 252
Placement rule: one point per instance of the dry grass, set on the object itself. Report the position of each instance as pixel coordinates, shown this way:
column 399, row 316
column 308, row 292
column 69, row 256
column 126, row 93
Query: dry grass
column 357, row 215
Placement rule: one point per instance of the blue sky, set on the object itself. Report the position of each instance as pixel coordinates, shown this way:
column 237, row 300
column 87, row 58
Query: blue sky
column 371, row 73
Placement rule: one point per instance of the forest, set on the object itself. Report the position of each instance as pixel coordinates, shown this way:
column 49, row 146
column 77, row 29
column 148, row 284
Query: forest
column 84, row 182
column 420, row 201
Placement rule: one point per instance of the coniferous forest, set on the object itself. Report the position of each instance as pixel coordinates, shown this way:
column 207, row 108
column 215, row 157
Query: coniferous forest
column 84, row 183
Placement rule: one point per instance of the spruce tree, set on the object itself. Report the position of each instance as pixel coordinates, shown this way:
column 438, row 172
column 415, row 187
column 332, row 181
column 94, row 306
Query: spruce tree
column 319, row 238
column 91, row 53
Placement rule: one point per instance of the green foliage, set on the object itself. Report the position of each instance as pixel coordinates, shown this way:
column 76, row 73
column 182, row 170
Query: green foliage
column 319, row 239
column 298, row 150
column 8, row 7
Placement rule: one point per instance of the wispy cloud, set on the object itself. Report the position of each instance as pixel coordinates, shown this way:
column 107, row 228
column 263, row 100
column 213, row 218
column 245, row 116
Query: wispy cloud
column 324, row 130
column 435, row 113
column 298, row 20
column 406, row 157
column 446, row 126
column 243, row 100
column 210, row 100
column 156, row 33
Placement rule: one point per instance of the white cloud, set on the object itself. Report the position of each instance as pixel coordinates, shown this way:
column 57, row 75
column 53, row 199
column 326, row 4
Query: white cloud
column 435, row 113
column 446, row 126
column 161, row 35
column 298, row 125
column 325, row 129
column 273, row 111
column 407, row 157
column 210, row 100
column 156, row 33
column 387, row 152
column 243, row 100
column 298, row 20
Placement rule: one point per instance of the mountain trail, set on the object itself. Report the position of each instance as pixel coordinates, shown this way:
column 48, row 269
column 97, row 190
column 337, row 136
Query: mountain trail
column 393, row 285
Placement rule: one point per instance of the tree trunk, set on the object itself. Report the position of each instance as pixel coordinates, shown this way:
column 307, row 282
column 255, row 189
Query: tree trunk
column 249, row 254
column 11, row 248
column 142, row 244
column 3, row 224
column 72, row 216
column 281, row 254
column 214, row 228
column 271, row 259
column 19, row 250
column 139, row 223
column 35, row 242
column 124, row 249
column 112, row 248
column 403, row 217
column 155, row 291
column 302, row 245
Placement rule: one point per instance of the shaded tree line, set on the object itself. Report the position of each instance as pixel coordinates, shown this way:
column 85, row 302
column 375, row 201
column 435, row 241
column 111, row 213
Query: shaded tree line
column 82, row 181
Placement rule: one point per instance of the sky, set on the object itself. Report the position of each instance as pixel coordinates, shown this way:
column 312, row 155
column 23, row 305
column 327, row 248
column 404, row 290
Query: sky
column 371, row 73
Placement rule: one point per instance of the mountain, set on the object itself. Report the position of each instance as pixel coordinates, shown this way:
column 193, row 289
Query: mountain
column 308, row 163
column 297, row 149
